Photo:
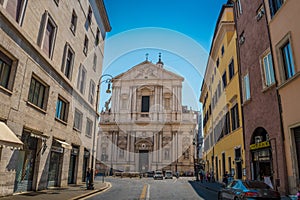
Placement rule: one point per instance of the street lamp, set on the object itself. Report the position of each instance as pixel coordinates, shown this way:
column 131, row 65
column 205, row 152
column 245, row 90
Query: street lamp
column 107, row 80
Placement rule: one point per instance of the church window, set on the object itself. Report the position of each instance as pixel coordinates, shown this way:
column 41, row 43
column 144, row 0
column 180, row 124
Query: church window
column 145, row 103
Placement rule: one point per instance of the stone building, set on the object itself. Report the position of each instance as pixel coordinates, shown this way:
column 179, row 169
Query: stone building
column 146, row 128
column 51, row 56
column 263, row 138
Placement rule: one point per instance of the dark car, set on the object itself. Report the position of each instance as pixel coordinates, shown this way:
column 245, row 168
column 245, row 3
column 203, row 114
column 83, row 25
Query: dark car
column 168, row 174
column 248, row 189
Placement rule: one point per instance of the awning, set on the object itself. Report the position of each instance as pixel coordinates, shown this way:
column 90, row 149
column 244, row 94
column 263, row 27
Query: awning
column 8, row 138
column 64, row 144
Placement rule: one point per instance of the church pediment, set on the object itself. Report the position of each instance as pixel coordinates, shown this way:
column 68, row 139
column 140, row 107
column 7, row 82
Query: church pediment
column 147, row 70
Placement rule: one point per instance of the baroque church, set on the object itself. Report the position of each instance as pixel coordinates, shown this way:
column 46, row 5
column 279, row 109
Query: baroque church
column 144, row 126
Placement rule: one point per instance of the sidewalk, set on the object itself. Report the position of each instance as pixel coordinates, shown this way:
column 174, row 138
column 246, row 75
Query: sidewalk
column 216, row 186
column 72, row 192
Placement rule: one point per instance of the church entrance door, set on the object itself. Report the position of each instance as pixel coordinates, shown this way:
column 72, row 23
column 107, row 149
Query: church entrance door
column 143, row 161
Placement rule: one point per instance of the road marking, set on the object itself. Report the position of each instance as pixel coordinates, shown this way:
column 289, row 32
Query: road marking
column 148, row 192
column 143, row 194
column 175, row 180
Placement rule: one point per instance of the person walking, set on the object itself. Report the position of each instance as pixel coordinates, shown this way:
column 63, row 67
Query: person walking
column 88, row 178
column 225, row 178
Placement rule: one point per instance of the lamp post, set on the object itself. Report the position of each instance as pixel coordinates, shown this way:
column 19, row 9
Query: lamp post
column 107, row 80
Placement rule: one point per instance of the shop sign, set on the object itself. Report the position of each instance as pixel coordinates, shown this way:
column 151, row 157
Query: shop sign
column 260, row 145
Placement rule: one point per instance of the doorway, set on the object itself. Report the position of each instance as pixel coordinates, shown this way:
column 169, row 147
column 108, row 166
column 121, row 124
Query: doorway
column 143, row 160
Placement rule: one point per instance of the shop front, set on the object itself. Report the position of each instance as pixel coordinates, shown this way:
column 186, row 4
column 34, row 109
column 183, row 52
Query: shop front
column 261, row 163
column 86, row 158
column 26, row 159
column 55, row 167
column 73, row 166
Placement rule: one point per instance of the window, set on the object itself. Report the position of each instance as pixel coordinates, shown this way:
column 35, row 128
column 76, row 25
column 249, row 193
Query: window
column 6, row 71
column 246, row 88
column 56, row 2
column 222, row 50
column 37, row 93
column 239, row 5
column 238, row 154
column 288, row 61
column 62, row 108
column 275, row 6
column 268, row 70
column 121, row 153
column 15, row 8
column 92, row 92
column 97, row 37
column 73, row 22
column 77, row 120
column 94, row 62
column 218, row 62
column 48, row 34
column 81, row 79
column 89, row 127
column 235, row 117
column 224, row 79
column 227, row 124
column 231, row 69
column 145, row 103
column 68, row 61
column 167, row 154
column 89, row 16
column 85, row 45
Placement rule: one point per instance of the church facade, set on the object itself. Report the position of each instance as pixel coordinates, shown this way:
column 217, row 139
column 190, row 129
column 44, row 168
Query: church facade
column 144, row 126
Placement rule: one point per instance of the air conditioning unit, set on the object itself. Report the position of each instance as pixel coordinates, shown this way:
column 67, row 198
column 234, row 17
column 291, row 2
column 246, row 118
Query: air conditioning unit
column 260, row 14
column 242, row 40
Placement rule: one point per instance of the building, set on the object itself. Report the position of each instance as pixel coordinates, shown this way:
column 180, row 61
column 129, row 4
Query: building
column 285, row 35
column 264, row 141
column 50, row 61
column 146, row 128
column 221, row 100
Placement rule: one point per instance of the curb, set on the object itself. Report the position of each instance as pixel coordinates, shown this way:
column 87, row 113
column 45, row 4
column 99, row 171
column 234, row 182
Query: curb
column 107, row 185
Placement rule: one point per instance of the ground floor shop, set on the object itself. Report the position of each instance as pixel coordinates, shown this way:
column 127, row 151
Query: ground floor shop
column 39, row 161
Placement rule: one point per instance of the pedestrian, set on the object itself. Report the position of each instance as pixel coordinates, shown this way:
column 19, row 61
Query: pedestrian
column 225, row 178
column 201, row 176
column 88, row 178
column 208, row 176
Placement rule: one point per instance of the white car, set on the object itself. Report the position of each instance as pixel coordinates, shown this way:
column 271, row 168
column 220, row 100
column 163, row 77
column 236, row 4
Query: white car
column 158, row 175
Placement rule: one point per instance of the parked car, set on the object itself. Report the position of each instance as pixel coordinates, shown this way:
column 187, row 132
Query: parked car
column 248, row 189
column 168, row 174
column 158, row 175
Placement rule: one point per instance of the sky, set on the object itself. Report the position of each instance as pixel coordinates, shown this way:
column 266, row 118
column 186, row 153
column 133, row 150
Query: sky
column 181, row 31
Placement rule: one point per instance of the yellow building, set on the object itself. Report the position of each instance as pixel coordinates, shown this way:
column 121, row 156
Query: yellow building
column 220, row 96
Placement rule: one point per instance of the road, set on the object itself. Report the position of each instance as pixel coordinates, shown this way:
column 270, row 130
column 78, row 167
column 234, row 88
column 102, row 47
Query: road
column 146, row 188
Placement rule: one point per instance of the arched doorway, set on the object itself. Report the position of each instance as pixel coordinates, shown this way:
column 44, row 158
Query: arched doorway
column 261, row 153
